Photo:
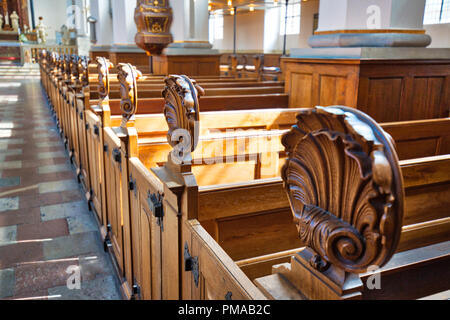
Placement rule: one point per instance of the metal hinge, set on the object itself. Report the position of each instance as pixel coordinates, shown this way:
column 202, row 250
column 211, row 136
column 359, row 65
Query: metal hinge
column 105, row 148
column 191, row 264
column 87, row 126
column 96, row 130
column 136, row 291
column 81, row 115
column 117, row 155
column 107, row 243
column 229, row 296
column 156, row 206
column 132, row 185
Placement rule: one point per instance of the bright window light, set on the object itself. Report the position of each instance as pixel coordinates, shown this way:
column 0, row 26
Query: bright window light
column 437, row 11
column 293, row 19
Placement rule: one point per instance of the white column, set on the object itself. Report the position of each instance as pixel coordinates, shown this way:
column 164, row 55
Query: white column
column 190, row 28
column 101, row 11
column 403, row 19
column 370, row 14
column 124, row 27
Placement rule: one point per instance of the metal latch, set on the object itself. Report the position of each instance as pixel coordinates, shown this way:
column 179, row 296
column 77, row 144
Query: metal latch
column 136, row 291
column 156, row 206
column 117, row 156
column 191, row 264
column 96, row 130
column 132, row 185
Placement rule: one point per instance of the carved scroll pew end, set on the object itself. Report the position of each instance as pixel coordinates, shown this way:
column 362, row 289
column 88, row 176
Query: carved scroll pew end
column 345, row 190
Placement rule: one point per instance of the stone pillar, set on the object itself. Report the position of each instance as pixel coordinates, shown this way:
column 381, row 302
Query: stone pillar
column 370, row 23
column 190, row 28
column 123, row 47
column 371, row 55
column 102, row 12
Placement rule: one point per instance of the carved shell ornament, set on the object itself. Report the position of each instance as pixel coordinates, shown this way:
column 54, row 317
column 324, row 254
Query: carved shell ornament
column 103, row 67
column 127, row 76
column 181, row 108
column 344, row 186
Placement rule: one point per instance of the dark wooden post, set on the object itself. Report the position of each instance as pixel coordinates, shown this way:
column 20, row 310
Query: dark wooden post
column 285, row 28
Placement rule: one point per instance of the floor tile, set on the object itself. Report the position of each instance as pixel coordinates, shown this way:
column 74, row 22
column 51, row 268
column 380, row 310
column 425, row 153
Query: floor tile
column 82, row 223
column 7, row 282
column 102, row 288
column 71, row 246
column 58, row 186
column 64, row 210
column 9, row 182
column 10, row 165
column 51, row 155
column 8, row 235
column 54, row 168
column 8, row 204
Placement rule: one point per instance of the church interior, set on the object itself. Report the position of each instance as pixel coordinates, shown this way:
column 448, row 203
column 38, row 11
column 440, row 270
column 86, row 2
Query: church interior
column 225, row 150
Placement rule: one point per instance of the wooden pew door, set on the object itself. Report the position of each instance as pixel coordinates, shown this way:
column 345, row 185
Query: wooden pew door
column 146, row 232
column 113, row 183
column 94, row 141
column 214, row 275
column 82, row 144
column 74, row 120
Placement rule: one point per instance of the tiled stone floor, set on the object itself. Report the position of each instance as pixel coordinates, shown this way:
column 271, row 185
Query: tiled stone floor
column 47, row 233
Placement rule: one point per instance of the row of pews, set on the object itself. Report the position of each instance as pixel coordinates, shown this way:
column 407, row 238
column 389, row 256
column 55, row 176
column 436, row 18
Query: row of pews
column 251, row 66
column 215, row 189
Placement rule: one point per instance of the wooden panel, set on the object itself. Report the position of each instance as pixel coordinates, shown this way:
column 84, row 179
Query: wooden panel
column 146, row 244
column 325, row 82
column 332, row 90
column 410, row 149
column 381, row 99
column 426, row 97
column 200, row 65
column 301, row 84
column 219, row 276
column 275, row 232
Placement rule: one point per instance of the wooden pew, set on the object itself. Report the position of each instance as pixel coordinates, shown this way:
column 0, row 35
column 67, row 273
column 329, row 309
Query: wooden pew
column 116, row 170
column 145, row 185
column 223, row 258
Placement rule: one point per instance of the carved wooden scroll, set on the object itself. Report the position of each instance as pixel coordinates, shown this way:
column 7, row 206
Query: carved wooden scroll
column 83, row 70
column 153, row 20
column 127, row 76
column 182, row 109
column 103, row 66
column 67, row 67
column 345, row 188
column 43, row 55
column 74, row 70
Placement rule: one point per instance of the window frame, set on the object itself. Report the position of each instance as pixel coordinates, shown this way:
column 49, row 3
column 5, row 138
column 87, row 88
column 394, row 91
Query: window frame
column 293, row 17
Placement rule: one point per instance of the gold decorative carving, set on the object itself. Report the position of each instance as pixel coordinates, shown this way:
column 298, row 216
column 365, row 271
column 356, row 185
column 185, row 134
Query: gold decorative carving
column 153, row 20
